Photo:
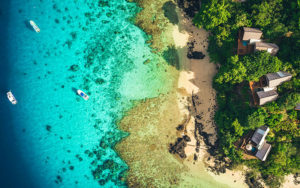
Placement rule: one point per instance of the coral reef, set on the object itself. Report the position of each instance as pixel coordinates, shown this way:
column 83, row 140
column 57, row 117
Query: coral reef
column 156, row 18
column 151, row 125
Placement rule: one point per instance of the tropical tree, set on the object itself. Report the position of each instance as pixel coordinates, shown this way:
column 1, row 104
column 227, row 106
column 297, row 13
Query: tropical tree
column 238, row 129
column 289, row 101
column 257, row 118
column 212, row 15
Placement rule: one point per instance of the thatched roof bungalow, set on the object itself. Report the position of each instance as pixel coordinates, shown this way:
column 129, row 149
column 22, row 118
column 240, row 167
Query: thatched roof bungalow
column 251, row 33
column 277, row 78
column 266, row 96
column 269, row 47
column 258, row 138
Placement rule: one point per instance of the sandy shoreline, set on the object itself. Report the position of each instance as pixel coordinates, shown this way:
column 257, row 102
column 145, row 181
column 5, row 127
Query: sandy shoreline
column 196, row 79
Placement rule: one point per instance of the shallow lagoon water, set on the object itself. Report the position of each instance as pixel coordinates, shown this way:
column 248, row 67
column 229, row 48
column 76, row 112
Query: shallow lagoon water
column 57, row 139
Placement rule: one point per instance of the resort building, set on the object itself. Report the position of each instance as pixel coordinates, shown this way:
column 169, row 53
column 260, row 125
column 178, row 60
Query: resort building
column 264, row 91
column 269, row 47
column 249, row 41
column 297, row 107
column 277, row 78
column 266, row 96
column 251, row 35
column 259, row 143
column 247, row 37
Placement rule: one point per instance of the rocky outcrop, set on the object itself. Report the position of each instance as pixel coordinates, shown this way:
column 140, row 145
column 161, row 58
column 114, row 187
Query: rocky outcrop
column 178, row 147
column 191, row 54
column 253, row 181
column 190, row 7
column 195, row 55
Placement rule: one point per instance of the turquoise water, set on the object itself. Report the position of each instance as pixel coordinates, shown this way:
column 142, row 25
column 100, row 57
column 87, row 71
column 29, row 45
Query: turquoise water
column 63, row 140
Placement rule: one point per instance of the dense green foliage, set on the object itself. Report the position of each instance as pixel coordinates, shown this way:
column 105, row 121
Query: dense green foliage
column 280, row 22
column 249, row 68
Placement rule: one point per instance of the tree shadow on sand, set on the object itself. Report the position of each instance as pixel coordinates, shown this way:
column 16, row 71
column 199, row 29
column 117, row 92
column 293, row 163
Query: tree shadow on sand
column 172, row 57
column 170, row 12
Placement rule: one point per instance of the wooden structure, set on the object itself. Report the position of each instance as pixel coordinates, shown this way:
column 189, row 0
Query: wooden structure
column 241, row 143
column 258, row 139
column 254, row 96
column 254, row 86
column 259, row 136
column 266, row 96
column 254, row 144
column 243, row 47
column 269, row 47
column 251, row 34
column 277, row 78
column 265, row 90
column 249, row 40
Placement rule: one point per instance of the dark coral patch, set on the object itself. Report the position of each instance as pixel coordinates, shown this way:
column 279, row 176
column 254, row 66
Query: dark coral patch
column 68, row 43
column 58, row 179
column 99, row 81
column 74, row 68
column 79, row 158
column 73, row 35
column 48, row 128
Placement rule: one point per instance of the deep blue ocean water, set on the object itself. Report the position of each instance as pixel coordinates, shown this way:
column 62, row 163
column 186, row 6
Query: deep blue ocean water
column 52, row 137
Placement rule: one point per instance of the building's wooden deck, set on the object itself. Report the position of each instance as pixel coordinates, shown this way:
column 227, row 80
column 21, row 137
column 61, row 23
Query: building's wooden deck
column 252, row 88
column 254, row 85
column 243, row 50
column 241, row 144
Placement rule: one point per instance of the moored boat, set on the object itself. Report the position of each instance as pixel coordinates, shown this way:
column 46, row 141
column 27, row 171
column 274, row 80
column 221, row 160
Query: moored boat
column 82, row 94
column 11, row 97
column 35, row 27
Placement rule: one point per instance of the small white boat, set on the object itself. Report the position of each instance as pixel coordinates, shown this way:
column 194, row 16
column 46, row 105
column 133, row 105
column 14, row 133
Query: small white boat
column 82, row 94
column 35, row 27
column 11, row 97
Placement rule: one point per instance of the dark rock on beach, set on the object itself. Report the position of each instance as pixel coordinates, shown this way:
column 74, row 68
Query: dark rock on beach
column 180, row 127
column 195, row 55
column 195, row 157
column 178, row 147
column 186, row 138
